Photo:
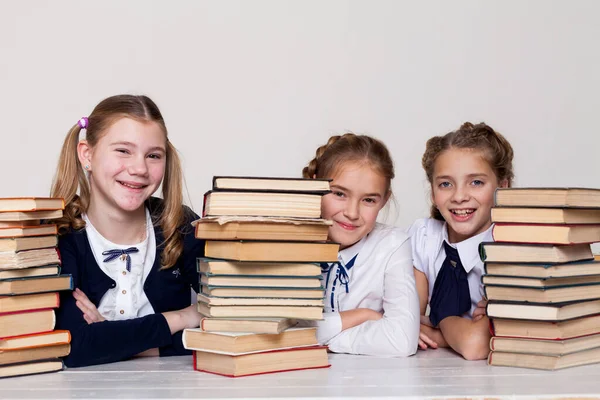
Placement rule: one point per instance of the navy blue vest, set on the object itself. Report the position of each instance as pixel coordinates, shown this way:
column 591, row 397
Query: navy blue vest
column 167, row 290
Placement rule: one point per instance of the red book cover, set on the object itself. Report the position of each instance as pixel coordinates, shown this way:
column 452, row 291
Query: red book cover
column 57, row 333
column 30, row 314
column 59, row 256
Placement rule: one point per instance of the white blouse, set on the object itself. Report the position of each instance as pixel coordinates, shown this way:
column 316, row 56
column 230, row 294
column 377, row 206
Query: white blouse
column 381, row 279
column 127, row 299
column 427, row 238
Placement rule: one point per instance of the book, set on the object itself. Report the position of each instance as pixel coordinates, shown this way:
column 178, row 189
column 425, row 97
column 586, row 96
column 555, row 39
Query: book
column 241, row 342
column 533, row 253
column 548, row 347
column 556, row 294
column 577, row 268
column 545, row 215
column 209, row 266
column 259, row 281
column 255, row 325
column 34, row 353
column 271, row 204
column 11, row 216
column 493, row 280
column 249, row 301
column 26, row 322
column 30, row 368
column 546, row 329
column 547, row 362
column 271, row 183
column 293, row 312
column 38, row 301
column 262, row 228
column 39, row 230
column 41, row 284
column 29, row 258
column 551, row 234
column 261, row 363
column 45, row 270
column 27, row 243
column 31, row 204
column 248, row 292
column 272, row 251
column 543, row 312
column 19, row 224
column 547, row 197
column 36, row 340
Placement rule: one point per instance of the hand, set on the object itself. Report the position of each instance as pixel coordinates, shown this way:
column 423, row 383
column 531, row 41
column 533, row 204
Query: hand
column 190, row 316
column 425, row 341
column 185, row 318
column 89, row 310
column 431, row 338
column 479, row 312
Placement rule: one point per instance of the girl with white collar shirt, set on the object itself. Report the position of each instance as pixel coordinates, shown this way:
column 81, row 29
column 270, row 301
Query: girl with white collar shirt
column 464, row 168
column 371, row 301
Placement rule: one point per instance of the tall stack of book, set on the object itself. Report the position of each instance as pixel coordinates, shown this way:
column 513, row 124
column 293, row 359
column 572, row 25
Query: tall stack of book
column 264, row 241
column 541, row 280
column 29, row 281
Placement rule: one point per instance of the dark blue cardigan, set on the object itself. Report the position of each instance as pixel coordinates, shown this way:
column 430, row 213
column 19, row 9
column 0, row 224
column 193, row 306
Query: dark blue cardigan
column 167, row 290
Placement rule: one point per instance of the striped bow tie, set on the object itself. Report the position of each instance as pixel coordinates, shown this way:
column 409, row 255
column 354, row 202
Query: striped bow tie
column 124, row 254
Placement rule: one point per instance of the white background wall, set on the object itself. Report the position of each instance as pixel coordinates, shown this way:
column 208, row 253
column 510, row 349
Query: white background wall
column 254, row 87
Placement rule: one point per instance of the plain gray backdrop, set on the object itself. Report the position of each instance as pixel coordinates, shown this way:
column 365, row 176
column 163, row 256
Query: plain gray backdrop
column 254, row 87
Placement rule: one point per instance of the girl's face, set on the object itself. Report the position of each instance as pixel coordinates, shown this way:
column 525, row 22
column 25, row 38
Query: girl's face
column 463, row 190
column 127, row 164
column 358, row 193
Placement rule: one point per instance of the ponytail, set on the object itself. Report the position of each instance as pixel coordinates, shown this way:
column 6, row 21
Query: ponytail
column 68, row 178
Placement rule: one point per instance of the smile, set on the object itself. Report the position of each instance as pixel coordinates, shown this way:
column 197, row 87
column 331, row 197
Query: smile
column 132, row 185
column 348, row 227
column 463, row 213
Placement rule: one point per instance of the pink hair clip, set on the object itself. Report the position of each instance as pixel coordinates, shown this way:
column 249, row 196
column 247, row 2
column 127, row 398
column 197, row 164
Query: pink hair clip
column 83, row 122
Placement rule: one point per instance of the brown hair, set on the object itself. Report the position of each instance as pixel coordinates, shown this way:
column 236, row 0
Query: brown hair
column 70, row 176
column 496, row 150
column 354, row 148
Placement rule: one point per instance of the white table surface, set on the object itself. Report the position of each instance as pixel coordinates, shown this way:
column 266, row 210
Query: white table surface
column 429, row 374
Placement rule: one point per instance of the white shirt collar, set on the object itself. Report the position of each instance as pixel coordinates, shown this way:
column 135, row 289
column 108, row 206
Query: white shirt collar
column 468, row 249
column 347, row 254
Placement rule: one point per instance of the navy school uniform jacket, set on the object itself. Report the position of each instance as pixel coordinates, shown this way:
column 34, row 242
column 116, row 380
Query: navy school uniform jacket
column 167, row 290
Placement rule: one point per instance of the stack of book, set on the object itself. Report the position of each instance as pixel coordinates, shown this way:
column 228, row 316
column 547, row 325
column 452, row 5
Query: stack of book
column 29, row 281
column 264, row 241
column 541, row 280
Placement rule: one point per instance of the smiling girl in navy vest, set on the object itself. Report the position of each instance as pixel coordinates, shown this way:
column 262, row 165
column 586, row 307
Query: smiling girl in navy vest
column 132, row 256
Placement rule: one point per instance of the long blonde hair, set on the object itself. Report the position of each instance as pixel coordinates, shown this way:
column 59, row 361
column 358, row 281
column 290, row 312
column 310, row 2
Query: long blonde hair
column 70, row 177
